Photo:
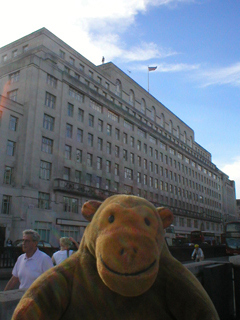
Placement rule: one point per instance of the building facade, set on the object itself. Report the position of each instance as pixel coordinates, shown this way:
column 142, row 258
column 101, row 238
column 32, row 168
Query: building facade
column 72, row 131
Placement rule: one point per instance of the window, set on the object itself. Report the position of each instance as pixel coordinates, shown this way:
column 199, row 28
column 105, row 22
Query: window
column 6, row 201
column 139, row 177
column 70, row 110
column 128, row 189
column 151, row 166
column 152, row 139
column 89, row 159
column 48, row 122
column 131, row 158
column 62, row 54
column 91, row 120
column 150, row 181
column 79, row 135
column 116, row 169
column 145, row 148
column 43, row 200
column 45, row 170
column 109, row 130
column 109, row 148
column 108, row 184
column 7, row 179
column 66, row 69
column 80, row 115
column 117, row 134
column 70, row 205
column 90, row 140
column 139, row 145
column 99, row 163
column 100, row 144
column 113, row 116
column 117, row 151
column 143, row 106
column 52, row 81
column 125, row 138
column 132, row 142
column 71, row 61
column 150, row 151
column 139, row 161
column 79, row 156
column 98, row 182
column 13, row 123
column 108, row 166
column 128, row 125
column 145, row 163
column 50, row 100
column 12, row 95
column 145, row 179
column 14, row 77
column 128, row 173
column 11, row 148
column 71, row 231
column 66, row 173
column 118, row 88
column 96, row 106
column 68, row 130
column 100, row 125
column 116, row 186
column 142, row 133
column 77, row 76
column 76, row 94
column 68, row 152
column 78, row 175
column 25, row 48
column 4, row 58
column 88, row 179
column 125, row 155
column 43, row 229
column 131, row 98
column 47, row 145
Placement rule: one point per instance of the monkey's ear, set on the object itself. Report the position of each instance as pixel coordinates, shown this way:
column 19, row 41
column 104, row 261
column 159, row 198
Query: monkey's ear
column 89, row 208
column 166, row 216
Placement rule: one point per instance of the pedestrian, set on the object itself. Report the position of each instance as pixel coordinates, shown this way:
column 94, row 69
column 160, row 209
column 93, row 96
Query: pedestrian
column 197, row 253
column 31, row 264
column 64, row 252
column 8, row 243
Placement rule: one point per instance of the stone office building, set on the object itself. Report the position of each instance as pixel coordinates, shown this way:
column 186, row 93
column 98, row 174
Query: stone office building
column 72, row 131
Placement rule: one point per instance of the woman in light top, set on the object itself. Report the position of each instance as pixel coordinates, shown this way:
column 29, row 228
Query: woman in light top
column 64, row 252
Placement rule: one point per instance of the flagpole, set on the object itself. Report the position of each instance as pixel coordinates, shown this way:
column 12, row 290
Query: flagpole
column 150, row 69
column 148, row 78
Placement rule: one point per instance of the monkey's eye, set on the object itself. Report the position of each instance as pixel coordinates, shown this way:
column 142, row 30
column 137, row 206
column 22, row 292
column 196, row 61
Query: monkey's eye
column 111, row 218
column 147, row 221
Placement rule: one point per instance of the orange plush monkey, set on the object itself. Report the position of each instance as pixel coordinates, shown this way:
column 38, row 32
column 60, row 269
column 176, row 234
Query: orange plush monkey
column 122, row 270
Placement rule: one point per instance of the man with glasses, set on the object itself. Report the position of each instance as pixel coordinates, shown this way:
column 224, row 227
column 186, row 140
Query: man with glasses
column 31, row 264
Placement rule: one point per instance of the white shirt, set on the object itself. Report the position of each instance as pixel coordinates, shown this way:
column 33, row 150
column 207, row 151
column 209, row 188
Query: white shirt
column 61, row 255
column 27, row 270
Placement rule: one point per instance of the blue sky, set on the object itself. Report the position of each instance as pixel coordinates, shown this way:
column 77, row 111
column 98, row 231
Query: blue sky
column 195, row 45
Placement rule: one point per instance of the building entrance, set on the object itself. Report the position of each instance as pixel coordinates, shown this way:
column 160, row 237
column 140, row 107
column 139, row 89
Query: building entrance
column 2, row 236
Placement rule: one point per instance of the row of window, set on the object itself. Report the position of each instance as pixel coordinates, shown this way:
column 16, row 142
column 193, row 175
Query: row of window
column 14, row 53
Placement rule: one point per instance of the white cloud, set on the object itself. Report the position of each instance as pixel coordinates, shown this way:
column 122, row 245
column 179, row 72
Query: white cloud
column 221, row 76
column 233, row 171
column 92, row 27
